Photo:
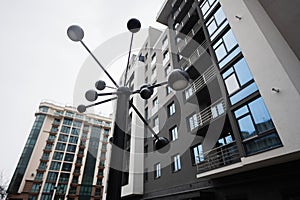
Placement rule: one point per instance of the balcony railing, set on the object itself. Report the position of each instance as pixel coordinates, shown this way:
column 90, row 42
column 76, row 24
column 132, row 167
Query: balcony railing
column 201, row 81
column 219, row 157
column 209, row 114
column 186, row 18
column 189, row 36
column 179, row 9
column 195, row 55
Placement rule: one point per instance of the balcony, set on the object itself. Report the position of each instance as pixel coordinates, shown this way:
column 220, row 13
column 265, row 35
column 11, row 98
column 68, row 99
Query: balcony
column 200, row 82
column 186, row 18
column 182, row 10
column 208, row 115
column 188, row 37
column 187, row 62
column 219, row 157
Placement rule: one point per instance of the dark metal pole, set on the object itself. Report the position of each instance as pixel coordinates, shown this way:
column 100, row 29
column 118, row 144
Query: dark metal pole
column 114, row 184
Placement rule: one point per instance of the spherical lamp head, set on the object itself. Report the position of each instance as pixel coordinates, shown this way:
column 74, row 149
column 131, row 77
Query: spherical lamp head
column 81, row 108
column 75, row 33
column 145, row 91
column 91, row 95
column 134, row 25
column 178, row 79
column 100, row 85
column 160, row 143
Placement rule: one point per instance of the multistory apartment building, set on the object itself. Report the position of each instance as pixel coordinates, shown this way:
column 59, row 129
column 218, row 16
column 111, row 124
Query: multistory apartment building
column 64, row 156
column 234, row 132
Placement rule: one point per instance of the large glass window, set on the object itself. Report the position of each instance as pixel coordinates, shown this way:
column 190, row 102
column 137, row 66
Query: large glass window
column 67, row 122
column 60, row 146
column 77, row 124
column 52, row 176
column 76, row 131
column 207, row 6
column 63, row 138
column 226, row 48
column 166, row 57
column 65, row 129
column 48, row 187
column 71, row 148
column 73, row 139
column 69, row 157
column 35, row 188
column 157, row 170
column 58, row 155
column 197, row 153
column 236, row 76
column 55, row 165
column 216, row 23
column 176, row 165
column 67, row 167
column 254, row 120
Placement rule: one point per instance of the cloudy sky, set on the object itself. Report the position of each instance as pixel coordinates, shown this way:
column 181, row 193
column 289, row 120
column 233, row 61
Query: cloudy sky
column 39, row 62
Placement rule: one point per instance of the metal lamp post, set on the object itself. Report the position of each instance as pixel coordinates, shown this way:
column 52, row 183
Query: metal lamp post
column 177, row 80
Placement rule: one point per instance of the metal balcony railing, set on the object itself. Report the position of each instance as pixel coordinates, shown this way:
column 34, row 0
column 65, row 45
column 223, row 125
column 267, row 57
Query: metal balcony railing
column 179, row 9
column 188, row 37
column 201, row 81
column 195, row 55
column 209, row 114
column 219, row 157
column 186, row 18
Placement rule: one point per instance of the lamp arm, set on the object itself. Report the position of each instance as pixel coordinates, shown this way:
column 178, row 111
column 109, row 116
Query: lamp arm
column 100, row 102
column 128, row 60
column 158, row 84
column 143, row 119
column 109, row 76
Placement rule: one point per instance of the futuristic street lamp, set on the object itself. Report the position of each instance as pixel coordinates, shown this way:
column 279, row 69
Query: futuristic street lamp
column 177, row 80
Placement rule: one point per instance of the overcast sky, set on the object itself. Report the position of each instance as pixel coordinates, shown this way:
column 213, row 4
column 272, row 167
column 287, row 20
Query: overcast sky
column 39, row 62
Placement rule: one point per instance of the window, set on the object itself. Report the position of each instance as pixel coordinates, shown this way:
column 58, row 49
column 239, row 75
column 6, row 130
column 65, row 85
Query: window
column 146, row 68
column 157, row 170
column 55, row 165
column 63, row 138
column 35, row 188
column 153, row 73
column 58, row 155
column 216, row 23
column 67, row 122
column 76, row 131
column 153, row 59
column 226, row 48
column 65, row 129
column 168, row 69
column 39, row 176
column 42, row 166
column 166, row 57
column 69, row 157
column 168, row 90
column 52, row 176
column 197, row 153
column 238, row 80
column 67, row 167
column 176, row 165
column 77, row 124
column 173, row 133
column 73, row 139
column 237, row 76
column 71, row 148
column 254, row 120
column 165, row 43
column 60, row 146
column 193, row 121
column 48, row 187
column 171, row 109
column 207, row 6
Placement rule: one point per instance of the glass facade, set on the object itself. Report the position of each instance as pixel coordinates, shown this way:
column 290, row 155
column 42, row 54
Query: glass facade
column 26, row 154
